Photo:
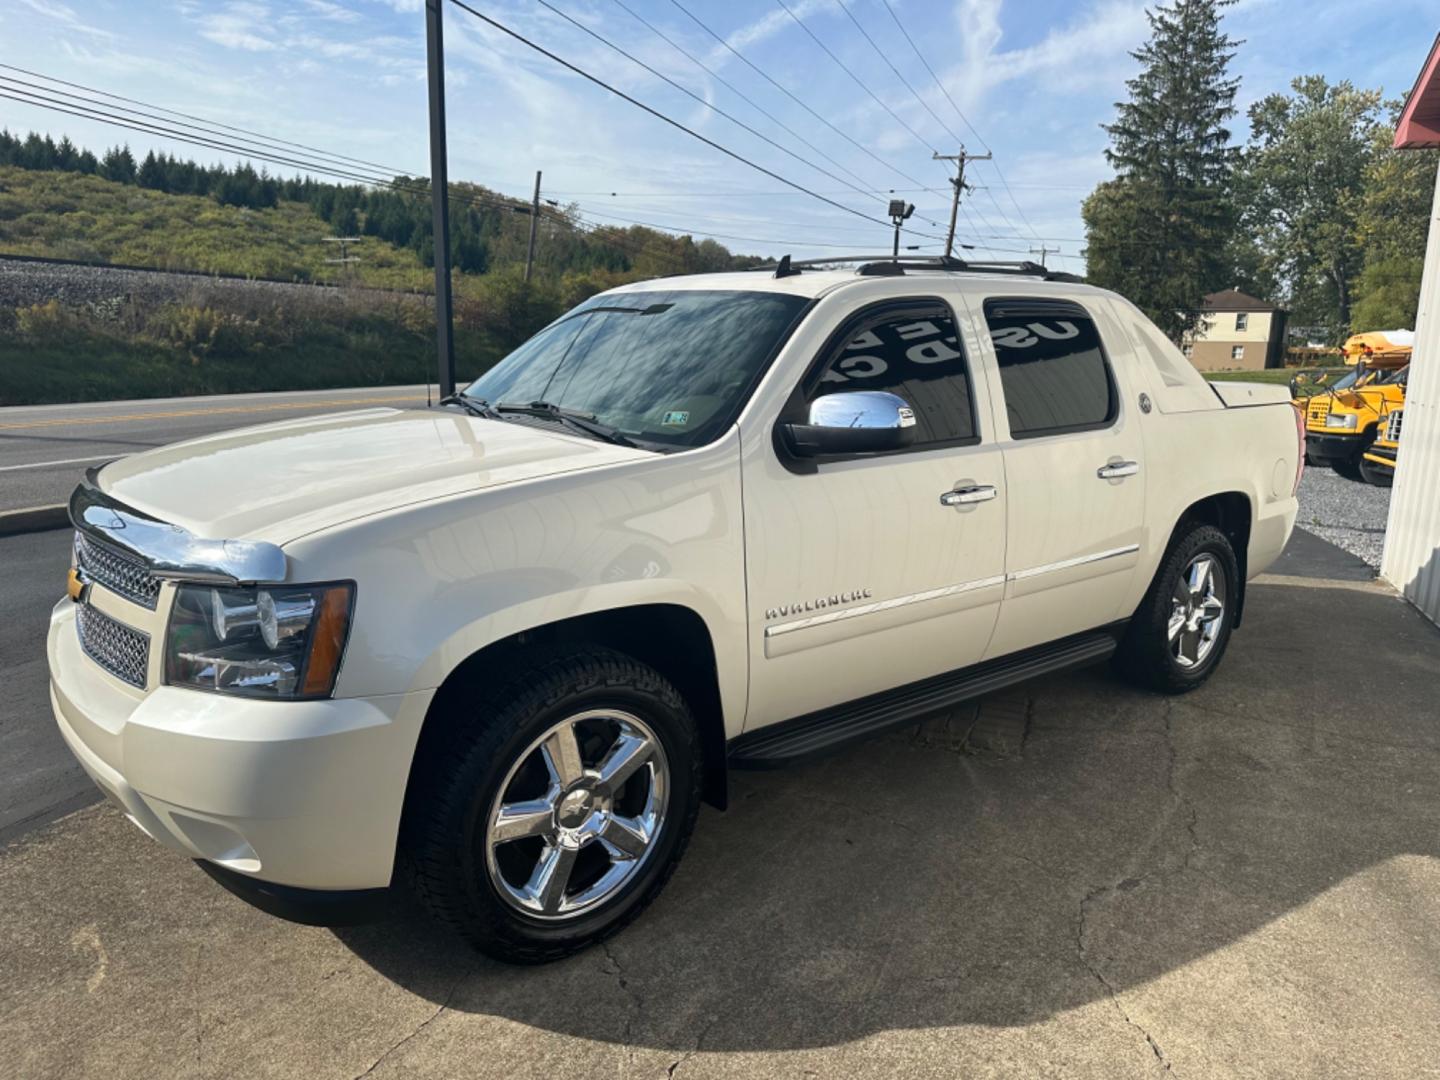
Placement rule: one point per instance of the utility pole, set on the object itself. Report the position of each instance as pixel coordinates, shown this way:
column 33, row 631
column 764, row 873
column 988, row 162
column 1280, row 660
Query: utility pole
column 960, row 159
column 440, row 197
column 346, row 259
column 534, row 225
column 1043, row 251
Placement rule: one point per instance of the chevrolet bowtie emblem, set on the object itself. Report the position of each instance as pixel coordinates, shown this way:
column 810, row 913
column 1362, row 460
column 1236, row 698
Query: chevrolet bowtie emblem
column 76, row 586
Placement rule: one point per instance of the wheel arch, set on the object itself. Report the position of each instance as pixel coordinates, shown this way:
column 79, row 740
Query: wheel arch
column 1233, row 513
column 672, row 638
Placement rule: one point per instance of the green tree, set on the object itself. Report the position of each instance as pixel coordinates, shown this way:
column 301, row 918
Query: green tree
column 1305, row 171
column 1158, row 232
column 118, row 164
column 1391, row 225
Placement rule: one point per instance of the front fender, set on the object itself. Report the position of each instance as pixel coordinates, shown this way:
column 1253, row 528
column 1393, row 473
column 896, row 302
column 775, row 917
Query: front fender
column 438, row 581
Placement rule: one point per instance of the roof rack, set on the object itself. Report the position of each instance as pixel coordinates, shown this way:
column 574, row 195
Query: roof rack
column 891, row 265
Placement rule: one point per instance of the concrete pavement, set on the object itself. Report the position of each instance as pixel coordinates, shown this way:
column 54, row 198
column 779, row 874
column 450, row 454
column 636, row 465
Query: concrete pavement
column 1090, row 881
column 45, row 448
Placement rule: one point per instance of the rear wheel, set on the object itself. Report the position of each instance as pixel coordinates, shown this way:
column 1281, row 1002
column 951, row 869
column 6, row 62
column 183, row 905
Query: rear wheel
column 1182, row 626
column 550, row 822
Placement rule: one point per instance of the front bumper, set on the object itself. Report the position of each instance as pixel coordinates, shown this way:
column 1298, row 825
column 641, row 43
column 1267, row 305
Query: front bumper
column 305, row 794
column 1329, row 447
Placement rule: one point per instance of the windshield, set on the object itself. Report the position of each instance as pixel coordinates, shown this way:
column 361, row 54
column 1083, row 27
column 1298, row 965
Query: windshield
column 668, row 367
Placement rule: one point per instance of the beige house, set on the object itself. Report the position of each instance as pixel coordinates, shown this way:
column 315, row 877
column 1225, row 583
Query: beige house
column 1237, row 332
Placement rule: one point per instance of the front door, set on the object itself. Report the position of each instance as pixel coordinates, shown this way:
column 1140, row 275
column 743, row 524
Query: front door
column 1073, row 464
column 859, row 578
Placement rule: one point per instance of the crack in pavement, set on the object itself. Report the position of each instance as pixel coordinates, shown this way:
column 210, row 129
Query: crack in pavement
column 1105, row 984
column 1096, row 894
column 637, row 1003
column 671, row 1069
column 445, row 1004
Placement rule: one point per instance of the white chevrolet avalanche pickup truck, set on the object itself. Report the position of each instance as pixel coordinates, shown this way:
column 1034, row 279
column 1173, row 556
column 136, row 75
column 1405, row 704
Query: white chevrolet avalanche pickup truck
column 500, row 650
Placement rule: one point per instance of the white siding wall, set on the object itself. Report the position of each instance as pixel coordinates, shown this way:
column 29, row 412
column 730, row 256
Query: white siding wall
column 1412, row 537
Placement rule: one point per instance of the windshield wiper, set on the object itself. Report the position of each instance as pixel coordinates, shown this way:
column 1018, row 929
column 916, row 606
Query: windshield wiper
column 473, row 405
column 577, row 421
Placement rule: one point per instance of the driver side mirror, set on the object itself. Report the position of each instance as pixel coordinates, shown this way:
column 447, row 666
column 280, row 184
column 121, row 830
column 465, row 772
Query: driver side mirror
column 852, row 422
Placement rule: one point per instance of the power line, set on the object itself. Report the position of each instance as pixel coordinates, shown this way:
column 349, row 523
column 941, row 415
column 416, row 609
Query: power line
column 679, row 231
column 713, row 108
column 858, row 81
column 778, row 86
column 661, row 116
column 694, row 96
column 913, row 92
column 98, row 112
column 212, row 123
column 963, row 118
column 732, row 87
column 725, row 194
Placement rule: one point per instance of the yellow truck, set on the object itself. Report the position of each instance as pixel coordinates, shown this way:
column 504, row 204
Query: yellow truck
column 1343, row 421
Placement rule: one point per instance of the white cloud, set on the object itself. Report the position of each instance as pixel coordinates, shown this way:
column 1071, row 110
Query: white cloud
column 327, row 9
column 240, row 25
column 65, row 16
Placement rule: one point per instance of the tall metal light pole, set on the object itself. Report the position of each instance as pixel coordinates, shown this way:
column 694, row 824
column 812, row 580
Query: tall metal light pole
column 440, row 197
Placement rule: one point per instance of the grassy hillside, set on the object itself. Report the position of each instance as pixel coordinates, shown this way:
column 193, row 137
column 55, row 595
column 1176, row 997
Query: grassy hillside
column 75, row 216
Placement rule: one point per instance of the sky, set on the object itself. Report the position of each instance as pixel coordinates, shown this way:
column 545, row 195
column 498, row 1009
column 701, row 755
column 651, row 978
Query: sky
column 1030, row 81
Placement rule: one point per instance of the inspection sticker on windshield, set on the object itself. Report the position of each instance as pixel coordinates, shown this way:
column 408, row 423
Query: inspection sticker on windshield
column 676, row 419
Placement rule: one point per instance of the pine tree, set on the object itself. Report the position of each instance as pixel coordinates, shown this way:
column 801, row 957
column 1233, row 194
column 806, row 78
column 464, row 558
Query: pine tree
column 1157, row 233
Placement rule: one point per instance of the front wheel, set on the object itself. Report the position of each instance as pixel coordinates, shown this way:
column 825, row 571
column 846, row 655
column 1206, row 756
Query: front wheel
column 555, row 813
column 1179, row 632
column 1377, row 475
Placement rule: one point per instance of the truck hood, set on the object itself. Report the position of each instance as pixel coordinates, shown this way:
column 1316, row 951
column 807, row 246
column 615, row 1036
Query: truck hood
column 280, row 481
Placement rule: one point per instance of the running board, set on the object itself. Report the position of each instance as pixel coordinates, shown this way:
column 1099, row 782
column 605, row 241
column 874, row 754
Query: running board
column 790, row 741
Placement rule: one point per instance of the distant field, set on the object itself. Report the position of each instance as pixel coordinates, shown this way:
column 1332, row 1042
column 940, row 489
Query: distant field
column 73, row 216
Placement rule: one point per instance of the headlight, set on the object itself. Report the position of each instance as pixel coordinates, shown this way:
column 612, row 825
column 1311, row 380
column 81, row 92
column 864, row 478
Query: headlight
column 267, row 641
column 1341, row 420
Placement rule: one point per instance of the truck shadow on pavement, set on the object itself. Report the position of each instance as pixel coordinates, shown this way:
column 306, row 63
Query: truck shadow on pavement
column 1090, row 840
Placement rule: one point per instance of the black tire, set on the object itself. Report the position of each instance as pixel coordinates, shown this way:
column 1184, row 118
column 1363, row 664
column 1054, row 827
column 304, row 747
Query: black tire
column 1146, row 655
column 457, row 779
column 1349, row 468
column 1376, row 474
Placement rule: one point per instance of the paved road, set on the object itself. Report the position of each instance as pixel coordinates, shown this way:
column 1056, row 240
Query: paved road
column 38, row 778
column 1080, row 880
column 44, row 448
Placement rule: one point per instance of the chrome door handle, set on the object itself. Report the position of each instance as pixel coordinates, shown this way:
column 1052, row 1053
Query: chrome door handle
column 1117, row 470
column 978, row 493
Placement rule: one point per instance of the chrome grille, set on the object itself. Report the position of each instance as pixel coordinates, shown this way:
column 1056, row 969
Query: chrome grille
column 119, row 573
column 123, row 652
column 1392, row 429
column 1319, row 408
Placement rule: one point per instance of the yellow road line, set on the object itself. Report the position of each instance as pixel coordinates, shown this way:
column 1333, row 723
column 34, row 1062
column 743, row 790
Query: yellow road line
column 204, row 412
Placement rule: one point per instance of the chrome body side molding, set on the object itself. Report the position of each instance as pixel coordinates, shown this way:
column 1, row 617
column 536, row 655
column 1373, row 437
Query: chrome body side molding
column 168, row 551
column 881, row 605
column 1066, row 564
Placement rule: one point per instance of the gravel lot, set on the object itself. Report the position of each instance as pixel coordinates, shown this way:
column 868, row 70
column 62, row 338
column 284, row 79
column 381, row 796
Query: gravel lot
column 1348, row 513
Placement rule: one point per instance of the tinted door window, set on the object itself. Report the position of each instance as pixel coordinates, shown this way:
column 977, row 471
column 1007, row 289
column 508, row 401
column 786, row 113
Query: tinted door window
column 916, row 354
column 1053, row 370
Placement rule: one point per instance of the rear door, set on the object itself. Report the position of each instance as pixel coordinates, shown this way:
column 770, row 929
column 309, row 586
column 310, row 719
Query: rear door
column 868, row 573
column 1074, row 472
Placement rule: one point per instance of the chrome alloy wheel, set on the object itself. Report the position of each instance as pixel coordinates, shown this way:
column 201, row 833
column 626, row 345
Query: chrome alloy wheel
column 577, row 814
column 1197, row 611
